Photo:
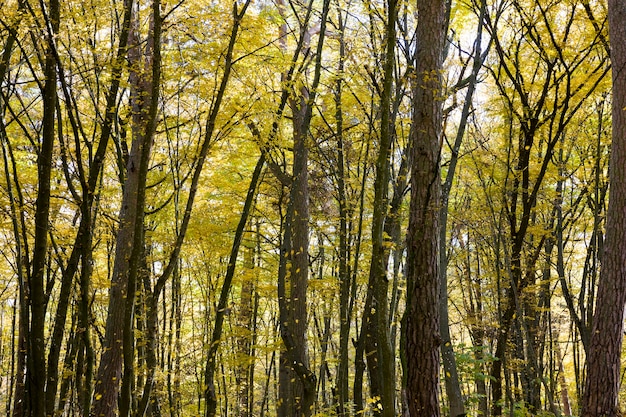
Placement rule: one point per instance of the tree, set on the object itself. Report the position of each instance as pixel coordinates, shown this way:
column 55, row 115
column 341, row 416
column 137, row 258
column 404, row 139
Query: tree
column 603, row 359
column 422, row 312
column 301, row 125
column 539, row 117
column 119, row 339
column 453, row 389
column 376, row 316
column 297, row 398
column 38, row 303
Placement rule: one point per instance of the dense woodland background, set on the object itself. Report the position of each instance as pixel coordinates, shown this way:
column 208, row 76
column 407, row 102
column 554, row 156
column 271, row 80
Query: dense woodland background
column 294, row 207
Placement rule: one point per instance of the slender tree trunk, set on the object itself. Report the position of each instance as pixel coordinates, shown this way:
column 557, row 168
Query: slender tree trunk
column 422, row 314
column 17, row 385
column 210, row 392
column 244, row 339
column 36, row 346
column 20, row 320
column 376, row 334
column 341, row 383
column 359, row 363
column 453, row 388
column 603, row 360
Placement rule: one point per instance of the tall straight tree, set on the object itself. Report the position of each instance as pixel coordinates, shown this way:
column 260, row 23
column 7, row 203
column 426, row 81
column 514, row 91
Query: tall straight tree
column 422, row 310
column 603, row 360
column 453, row 387
column 36, row 363
column 297, row 394
column 382, row 374
column 145, row 81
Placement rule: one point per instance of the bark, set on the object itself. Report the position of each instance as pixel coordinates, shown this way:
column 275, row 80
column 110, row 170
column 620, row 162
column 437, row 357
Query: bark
column 562, row 382
column 603, row 361
column 298, row 271
column 18, row 368
column 422, row 315
column 378, row 346
column 151, row 335
column 17, row 385
column 341, row 383
column 36, row 363
column 245, row 323
column 297, row 384
column 174, row 345
column 129, row 241
column 359, row 364
column 81, row 250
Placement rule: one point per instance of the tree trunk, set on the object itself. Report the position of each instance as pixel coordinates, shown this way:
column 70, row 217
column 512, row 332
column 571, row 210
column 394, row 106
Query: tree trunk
column 603, row 361
column 36, row 363
column 378, row 346
column 245, row 318
column 451, row 376
column 210, row 393
column 297, row 394
column 341, row 383
column 422, row 311
column 129, row 241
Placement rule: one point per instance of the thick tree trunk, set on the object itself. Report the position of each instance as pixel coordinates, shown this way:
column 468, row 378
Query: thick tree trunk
column 422, row 313
column 603, row 360
column 145, row 81
column 296, row 393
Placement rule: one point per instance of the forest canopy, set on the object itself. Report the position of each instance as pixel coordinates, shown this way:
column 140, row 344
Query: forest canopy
column 312, row 207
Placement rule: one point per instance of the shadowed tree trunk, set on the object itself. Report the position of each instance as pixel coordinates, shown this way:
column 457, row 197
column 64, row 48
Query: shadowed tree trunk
column 36, row 362
column 603, row 360
column 118, row 339
column 377, row 340
column 297, row 384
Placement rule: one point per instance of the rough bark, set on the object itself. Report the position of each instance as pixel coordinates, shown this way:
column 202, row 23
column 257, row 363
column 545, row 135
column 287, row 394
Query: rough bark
column 298, row 274
column 603, row 361
column 341, row 383
column 129, row 241
column 422, row 314
column 378, row 346
column 297, row 385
